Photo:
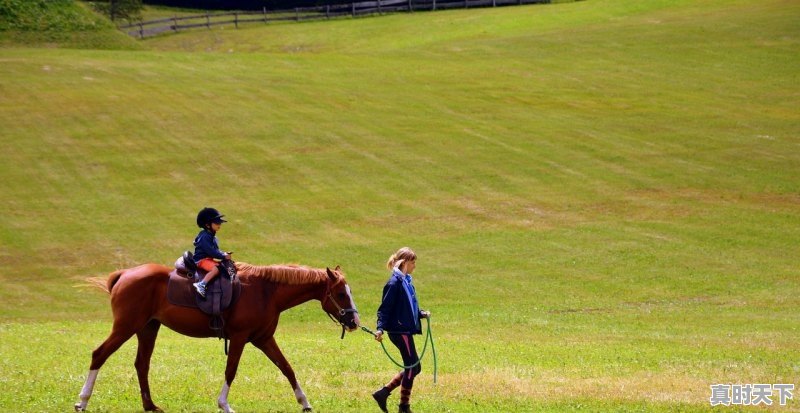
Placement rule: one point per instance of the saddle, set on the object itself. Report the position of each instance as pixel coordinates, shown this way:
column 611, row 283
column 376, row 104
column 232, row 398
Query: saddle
column 221, row 293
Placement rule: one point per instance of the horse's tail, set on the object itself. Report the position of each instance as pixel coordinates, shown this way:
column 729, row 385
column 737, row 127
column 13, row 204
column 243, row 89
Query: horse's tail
column 106, row 284
column 112, row 279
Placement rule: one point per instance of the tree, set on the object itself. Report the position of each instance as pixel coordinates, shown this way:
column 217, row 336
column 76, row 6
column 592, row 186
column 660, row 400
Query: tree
column 120, row 9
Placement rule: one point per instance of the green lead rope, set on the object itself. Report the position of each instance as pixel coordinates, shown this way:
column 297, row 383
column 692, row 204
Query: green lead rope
column 428, row 338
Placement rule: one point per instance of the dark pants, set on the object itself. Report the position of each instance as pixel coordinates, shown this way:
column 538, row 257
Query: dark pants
column 405, row 343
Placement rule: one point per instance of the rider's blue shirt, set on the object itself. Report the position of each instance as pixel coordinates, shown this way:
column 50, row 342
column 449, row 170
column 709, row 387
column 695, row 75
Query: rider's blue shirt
column 205, row 246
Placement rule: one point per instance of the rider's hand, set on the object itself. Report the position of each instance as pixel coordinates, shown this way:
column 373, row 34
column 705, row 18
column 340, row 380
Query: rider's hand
column 227, row 255
column 426, row 314
column 379, row 335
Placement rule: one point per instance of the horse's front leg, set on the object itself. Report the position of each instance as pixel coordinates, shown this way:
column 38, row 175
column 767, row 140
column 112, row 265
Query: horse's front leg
column 234, row 355
column 147, row 342
column 271, row 349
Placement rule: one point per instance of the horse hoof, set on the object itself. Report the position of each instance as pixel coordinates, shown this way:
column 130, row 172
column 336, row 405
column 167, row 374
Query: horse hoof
column 309, row 410
column 79, row 408
column 226, row 408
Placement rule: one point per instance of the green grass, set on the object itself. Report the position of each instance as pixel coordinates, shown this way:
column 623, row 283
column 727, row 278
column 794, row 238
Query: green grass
column 57, row 23
column 155, row 12
column 604, row 197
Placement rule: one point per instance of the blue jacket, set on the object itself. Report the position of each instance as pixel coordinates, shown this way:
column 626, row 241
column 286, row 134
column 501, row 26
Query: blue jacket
column 399, row 311
column 205, row 246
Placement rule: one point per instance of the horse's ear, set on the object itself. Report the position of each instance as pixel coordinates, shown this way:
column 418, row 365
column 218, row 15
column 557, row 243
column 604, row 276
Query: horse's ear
column 331, row 275
column 337, row 269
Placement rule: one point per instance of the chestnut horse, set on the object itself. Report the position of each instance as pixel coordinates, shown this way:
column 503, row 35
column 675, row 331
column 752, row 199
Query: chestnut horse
column 140, row 306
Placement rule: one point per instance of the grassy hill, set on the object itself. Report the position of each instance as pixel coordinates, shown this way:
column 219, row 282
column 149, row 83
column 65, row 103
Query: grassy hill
column 604, row 196
column 57, row 23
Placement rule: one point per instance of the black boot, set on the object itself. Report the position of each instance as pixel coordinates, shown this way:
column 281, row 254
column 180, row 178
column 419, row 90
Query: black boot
column 380, row 397
column 405, row 408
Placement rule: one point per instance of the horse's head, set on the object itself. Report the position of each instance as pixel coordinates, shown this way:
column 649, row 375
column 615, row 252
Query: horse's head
column 338, row 301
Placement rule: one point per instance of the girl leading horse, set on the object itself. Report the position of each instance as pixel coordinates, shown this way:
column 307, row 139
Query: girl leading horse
column 140, row 306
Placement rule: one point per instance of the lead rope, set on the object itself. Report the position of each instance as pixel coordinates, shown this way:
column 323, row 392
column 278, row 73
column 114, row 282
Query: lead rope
column 429, row 337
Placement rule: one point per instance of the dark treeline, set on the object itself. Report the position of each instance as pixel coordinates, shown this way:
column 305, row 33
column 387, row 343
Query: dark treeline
column 243, row 4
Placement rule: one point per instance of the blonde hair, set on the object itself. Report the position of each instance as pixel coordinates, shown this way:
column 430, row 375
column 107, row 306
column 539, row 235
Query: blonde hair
column 402, row 255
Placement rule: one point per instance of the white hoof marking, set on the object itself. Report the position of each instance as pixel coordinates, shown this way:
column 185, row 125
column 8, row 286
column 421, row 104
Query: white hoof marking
column 86, row 391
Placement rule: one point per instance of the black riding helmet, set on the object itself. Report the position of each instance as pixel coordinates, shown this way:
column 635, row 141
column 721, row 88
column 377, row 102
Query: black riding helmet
column 207, row 216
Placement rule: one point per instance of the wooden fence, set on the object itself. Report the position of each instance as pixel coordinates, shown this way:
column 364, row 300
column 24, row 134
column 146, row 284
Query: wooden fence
column 175, row 24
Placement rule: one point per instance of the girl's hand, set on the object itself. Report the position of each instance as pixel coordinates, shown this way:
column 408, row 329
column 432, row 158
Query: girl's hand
column 426, row 314
column 379, row 335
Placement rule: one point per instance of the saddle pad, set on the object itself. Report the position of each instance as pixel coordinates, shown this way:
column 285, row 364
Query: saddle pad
column 180, row 291
column 221, row 293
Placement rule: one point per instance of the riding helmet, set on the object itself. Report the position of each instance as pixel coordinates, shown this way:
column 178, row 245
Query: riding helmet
column 209, row 215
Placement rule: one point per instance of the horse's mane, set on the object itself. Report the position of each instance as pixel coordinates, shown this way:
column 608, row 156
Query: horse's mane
column 284, row 274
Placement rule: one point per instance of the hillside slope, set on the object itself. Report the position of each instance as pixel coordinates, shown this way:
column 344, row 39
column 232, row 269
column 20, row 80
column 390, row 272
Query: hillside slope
column 57, row 23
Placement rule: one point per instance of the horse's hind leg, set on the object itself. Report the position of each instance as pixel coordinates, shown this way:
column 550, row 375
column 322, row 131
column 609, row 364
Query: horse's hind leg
column 147, row 342
column 99, row 356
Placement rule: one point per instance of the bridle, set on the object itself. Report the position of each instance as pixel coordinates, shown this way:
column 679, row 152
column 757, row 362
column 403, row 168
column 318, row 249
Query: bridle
column 342, row 311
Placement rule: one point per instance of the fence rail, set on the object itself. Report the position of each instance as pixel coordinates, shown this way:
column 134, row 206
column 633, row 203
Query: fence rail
column 175, row 24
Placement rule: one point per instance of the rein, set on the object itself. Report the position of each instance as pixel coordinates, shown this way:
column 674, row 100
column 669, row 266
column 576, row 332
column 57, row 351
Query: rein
column 428, row 337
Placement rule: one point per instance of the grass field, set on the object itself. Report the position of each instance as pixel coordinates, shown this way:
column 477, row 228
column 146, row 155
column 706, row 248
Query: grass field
column 57, row 23
column 604, row 197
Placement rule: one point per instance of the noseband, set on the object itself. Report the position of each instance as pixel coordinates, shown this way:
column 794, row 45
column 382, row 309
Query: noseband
column 342, row 311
